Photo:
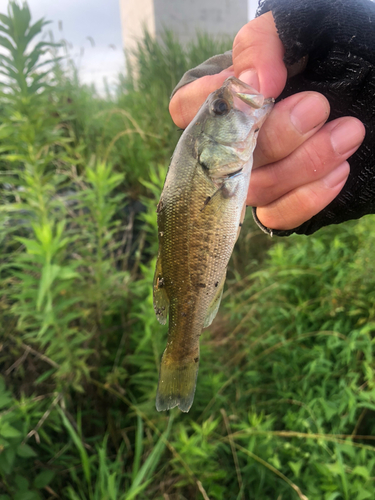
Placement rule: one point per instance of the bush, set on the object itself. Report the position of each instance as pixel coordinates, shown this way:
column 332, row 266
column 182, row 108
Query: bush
column 284, row 403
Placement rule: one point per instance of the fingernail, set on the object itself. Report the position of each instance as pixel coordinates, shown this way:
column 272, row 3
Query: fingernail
column 337, row 176
column 250, row 77
column 308, row 113
column 346, row 136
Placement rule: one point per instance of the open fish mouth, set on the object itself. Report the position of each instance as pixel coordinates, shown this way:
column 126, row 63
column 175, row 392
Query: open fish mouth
column 244, row 94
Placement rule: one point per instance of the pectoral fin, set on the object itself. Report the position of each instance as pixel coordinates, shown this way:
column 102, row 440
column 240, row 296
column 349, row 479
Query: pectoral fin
column 214, row 306
column 161, row 300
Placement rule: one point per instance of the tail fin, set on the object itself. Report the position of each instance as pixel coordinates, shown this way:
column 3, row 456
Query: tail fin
column 177, row 381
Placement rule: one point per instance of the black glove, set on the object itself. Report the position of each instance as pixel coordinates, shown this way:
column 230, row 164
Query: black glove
column 338, row 38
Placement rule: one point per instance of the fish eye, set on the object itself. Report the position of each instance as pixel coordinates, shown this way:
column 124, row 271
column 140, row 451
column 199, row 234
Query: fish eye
column 220, row 107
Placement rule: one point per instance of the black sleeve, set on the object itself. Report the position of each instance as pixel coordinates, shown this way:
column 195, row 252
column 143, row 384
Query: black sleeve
column 338, row 36
column 212, row 66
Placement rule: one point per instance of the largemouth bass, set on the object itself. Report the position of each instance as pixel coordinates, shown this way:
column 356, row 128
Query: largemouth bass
column 200, row 214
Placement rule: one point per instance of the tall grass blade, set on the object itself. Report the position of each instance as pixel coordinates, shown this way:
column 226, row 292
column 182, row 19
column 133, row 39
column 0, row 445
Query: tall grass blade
column 79, row 445
column 138, row 448
column 150, row 464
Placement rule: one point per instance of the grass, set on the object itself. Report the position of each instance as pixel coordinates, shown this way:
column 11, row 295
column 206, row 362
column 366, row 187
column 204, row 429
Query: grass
column 285, row 398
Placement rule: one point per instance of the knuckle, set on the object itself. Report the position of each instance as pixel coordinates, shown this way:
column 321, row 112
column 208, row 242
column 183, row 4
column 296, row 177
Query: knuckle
column 316, row 156
column 273, row 217
column 308, row 201
column 314, row 162
column 271, row 144
column 249, row 39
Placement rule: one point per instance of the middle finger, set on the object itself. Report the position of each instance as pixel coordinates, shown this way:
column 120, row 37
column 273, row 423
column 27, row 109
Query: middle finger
column 291, row 122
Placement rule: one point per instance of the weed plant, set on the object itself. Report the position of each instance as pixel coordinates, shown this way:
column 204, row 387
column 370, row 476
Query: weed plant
column 285, row 401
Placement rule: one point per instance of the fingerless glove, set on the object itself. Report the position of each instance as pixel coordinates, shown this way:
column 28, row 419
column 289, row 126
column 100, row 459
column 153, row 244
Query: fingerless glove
column 338, row 38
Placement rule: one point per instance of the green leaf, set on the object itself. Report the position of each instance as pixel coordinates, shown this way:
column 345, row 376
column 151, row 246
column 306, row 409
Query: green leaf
column 5, row 400
column 5, row 397
column 72, row 494
column 296, row 467
column 332, row 496
column 364, row 494
column 149, row 465
column 7, row 457
column 25, row 451
column 5, row 42
column 362, row 471
column 32, row 246
column 49, row 274
column 44, row 376
column 79, row 445
column 35, row 29
column 135, row 491
column 67, row 274
column 138, row 447
column 344, row 479
column 22, row 483
column 7, row 431
column 27, row 495
column 5, row 20
column 44, row 478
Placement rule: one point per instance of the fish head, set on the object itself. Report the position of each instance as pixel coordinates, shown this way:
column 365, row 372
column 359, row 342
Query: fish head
column 227, row 126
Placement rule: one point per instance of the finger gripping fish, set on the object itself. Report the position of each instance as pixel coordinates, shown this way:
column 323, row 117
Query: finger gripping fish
column 200, row 214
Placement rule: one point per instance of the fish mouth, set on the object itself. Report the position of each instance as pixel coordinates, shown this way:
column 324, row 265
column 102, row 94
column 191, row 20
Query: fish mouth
column 245, row 97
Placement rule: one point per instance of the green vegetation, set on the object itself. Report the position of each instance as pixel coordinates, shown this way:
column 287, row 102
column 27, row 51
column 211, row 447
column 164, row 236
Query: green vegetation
column 285, row 401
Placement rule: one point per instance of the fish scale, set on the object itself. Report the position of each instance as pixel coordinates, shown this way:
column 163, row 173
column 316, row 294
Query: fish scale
column 199, row 217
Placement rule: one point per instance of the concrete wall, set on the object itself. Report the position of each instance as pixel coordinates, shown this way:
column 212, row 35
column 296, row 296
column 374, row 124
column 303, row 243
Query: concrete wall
column 135, row 16
column 184, row 17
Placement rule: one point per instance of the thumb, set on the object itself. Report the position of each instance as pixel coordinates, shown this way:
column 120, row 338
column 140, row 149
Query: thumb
column 258, row 56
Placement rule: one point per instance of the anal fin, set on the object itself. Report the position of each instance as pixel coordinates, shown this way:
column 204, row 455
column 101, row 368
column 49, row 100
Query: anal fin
column 215, row 303
column 161, row 300
column 242, row 218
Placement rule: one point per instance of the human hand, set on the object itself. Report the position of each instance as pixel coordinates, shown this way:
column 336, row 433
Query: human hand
column 300, row 161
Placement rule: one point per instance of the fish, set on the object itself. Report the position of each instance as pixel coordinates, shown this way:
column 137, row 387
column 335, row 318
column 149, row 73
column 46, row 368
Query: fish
column 200, row 214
